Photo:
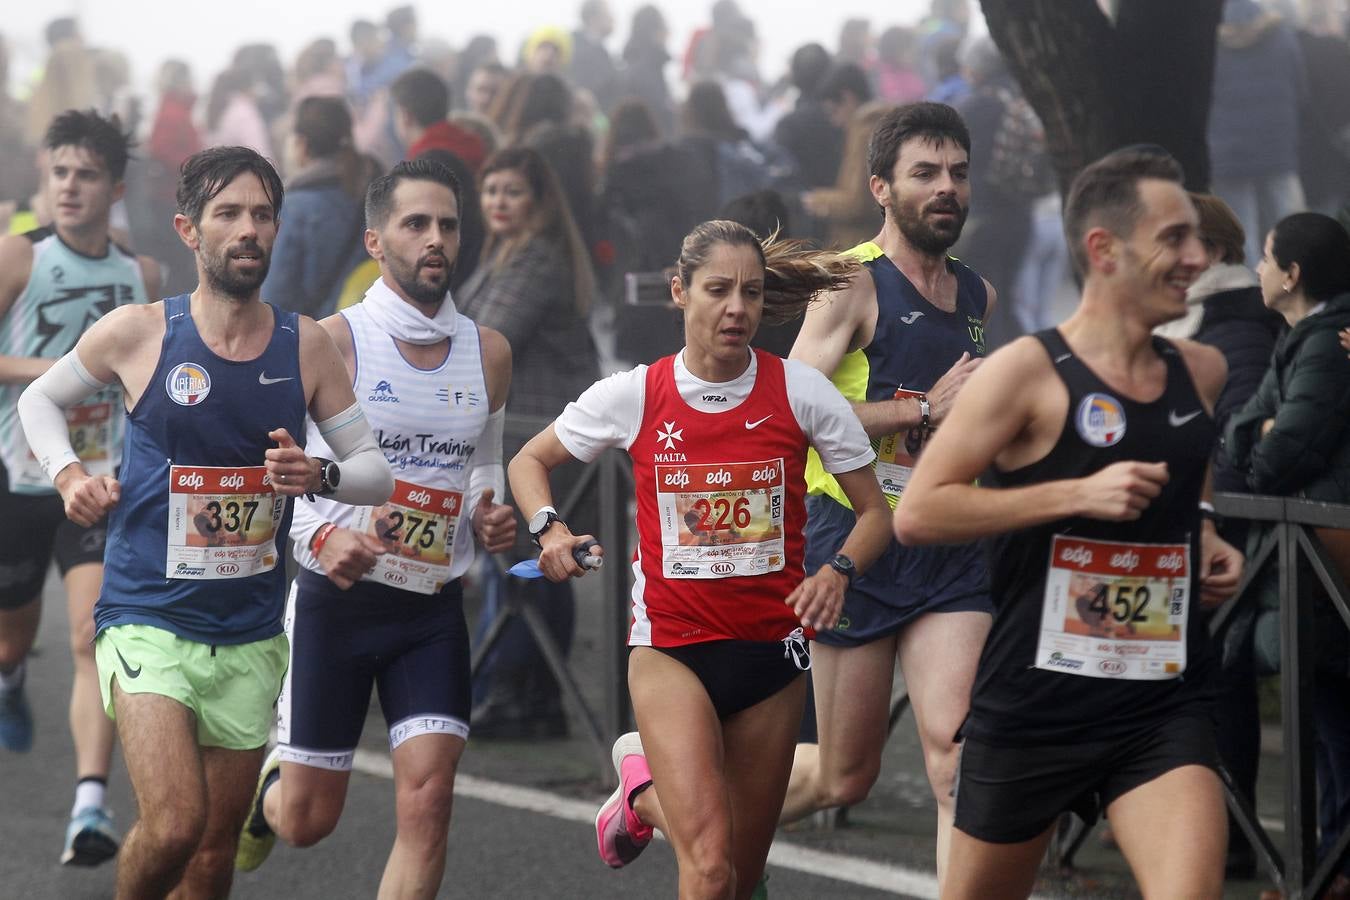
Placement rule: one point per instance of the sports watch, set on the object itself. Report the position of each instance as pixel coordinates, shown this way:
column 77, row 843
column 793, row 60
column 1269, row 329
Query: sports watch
column 844, row 566
column 330, row 476
column 541, row 522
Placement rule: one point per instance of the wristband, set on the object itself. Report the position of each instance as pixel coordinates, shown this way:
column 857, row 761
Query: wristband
column 1207, row 511
column 320, row 538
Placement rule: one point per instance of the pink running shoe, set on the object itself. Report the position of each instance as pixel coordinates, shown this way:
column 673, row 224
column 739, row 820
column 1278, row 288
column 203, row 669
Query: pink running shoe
column 618, row 832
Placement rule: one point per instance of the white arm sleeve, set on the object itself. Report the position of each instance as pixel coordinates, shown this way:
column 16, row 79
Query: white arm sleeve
column 486, row 464
column 42, row 411
column 366, row 479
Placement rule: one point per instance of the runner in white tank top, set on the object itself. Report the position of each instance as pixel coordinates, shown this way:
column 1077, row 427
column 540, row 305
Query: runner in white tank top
column 378, row 599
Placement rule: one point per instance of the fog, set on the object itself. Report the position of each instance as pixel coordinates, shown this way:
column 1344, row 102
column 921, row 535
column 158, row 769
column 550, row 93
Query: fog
column 205, row 34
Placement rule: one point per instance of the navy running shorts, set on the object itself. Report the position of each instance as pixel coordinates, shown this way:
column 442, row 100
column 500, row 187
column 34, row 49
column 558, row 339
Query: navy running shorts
column 904, row 582
column 413, row 648
column 1011, row 794
column 33, row 530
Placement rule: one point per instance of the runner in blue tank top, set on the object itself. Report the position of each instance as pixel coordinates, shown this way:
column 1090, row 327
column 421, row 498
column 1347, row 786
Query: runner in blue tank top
column 378, row 599
column 189, row 649
column 54, row 282
column 1092, row 442
column 899, row 343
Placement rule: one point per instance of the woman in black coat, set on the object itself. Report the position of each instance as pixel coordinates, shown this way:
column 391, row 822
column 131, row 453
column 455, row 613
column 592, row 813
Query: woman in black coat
column 1292, row 439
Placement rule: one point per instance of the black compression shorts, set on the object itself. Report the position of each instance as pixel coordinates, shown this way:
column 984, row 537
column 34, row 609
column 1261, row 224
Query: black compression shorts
column 33, row 530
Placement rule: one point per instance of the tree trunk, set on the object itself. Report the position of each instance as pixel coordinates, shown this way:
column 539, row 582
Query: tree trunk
column 1098, row 85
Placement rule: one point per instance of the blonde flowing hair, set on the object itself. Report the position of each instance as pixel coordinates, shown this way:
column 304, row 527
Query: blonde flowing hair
column 795, row 273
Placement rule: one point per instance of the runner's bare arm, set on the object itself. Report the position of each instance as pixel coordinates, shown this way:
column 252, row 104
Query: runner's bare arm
column 819, row 599
column 16, row 267
column 341, row 333
column 991, row 300
column 494, row 524
column 152, row 278
column 835, row 323
column 528, row 473
column 1005, row 402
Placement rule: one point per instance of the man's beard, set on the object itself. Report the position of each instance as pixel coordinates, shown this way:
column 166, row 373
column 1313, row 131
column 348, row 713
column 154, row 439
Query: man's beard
column 420, row 291
column 235, row 285
column 923, row 235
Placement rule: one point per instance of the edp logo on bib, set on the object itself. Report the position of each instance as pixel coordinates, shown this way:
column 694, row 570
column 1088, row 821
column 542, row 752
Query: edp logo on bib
column 1100, row 420
column 188, row 384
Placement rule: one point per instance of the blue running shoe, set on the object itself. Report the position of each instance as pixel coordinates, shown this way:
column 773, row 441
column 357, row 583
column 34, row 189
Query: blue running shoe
column 90, row 838
column 16, row 720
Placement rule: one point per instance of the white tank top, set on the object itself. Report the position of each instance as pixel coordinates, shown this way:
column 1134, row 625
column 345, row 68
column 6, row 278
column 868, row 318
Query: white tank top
column 428, row 422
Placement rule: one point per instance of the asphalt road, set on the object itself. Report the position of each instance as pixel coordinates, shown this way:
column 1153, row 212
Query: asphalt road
column 522, row 823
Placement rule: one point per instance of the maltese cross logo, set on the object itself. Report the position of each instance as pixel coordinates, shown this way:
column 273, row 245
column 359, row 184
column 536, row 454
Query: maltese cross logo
column 670, row 435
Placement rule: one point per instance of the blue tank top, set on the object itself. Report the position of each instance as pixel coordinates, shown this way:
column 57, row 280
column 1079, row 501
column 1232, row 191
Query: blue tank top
column 914, row 344
column 194, row 546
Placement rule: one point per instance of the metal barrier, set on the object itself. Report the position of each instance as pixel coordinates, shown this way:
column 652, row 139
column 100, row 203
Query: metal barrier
column 1291, row 537
column 609, row 480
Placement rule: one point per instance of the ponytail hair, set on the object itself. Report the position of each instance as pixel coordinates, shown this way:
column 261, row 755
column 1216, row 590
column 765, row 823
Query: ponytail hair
column 794, row 273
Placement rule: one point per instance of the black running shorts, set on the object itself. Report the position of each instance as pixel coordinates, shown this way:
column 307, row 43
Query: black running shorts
column 739, row 674
column 1007, row 795
column 33, row 530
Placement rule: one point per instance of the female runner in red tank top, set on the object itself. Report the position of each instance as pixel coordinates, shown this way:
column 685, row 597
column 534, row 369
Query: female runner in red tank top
column 722, row 606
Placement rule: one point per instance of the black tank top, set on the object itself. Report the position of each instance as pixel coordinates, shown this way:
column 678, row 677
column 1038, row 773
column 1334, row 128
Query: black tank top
column 1027, row 692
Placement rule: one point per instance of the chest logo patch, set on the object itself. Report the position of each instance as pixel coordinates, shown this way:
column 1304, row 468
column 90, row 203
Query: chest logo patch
column 188, row 384
column 670, row 435
column 1100, row 420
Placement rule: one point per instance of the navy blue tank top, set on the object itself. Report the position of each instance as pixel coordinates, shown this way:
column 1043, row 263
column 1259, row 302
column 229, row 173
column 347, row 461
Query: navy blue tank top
column 195, row 544
column 914, row 345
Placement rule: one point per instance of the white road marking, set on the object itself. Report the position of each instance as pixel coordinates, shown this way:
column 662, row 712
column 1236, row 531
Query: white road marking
column 785, row 855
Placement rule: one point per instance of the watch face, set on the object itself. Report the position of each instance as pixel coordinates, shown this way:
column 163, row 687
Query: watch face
column 332, row 475
column 539, row 521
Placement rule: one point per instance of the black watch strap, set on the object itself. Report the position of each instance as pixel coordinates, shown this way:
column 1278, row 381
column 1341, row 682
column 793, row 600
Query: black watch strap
column 844, row 566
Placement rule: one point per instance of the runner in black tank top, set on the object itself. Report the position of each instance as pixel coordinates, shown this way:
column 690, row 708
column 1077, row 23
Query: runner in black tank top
column 1090, row 443
column 1022, row 698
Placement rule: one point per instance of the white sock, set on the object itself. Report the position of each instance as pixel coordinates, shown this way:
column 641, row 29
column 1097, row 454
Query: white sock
column 89, row 792
column 10, row 680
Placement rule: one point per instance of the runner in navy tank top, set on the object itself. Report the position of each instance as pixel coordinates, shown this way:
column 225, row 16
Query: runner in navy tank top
column 898, row 342
column 190, row 651
column 722, row 602
column 1094, row 442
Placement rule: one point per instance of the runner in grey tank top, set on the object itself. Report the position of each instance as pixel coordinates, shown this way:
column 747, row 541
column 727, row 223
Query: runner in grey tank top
column 54, row 283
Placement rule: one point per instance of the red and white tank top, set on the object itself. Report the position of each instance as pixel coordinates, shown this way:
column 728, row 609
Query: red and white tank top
column 720, row 512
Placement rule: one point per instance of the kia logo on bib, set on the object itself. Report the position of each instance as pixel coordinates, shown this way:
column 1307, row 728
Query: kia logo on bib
column 1112, row 666
column 1100, row 420
column 723, row 568
column 187, row 384
column 395, row 578
column 227, row 569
